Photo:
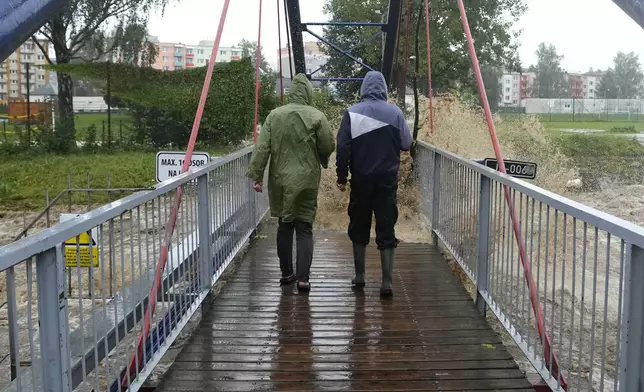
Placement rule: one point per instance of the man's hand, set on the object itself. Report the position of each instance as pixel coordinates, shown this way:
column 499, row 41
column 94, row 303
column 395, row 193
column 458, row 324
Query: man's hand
column 341, row 187
column 258, row 186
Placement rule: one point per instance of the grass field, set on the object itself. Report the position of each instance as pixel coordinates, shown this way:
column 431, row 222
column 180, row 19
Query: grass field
column 120, row 126
column 24, row 179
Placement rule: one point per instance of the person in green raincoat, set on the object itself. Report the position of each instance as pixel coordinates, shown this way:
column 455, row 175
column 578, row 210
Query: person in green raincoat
column 295, row 142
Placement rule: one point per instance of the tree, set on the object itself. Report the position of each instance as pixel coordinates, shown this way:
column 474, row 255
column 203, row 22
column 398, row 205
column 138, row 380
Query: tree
column 249, row 49
column 78, row 32
column 163, row 104
column 624, row 80
column 490, row 21
column 551, row 79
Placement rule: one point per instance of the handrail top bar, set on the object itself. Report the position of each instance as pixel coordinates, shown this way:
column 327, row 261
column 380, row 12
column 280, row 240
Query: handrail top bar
column 18, row 251
column 627, row 231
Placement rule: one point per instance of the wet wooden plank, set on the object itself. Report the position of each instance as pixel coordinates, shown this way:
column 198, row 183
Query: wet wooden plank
column 259, row 336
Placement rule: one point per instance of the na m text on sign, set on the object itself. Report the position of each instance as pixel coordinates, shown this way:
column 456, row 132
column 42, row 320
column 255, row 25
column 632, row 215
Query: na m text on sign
column 169, row 163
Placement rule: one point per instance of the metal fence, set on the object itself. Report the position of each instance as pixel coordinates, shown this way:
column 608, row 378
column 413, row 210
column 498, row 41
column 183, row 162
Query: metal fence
column 85, row 343
column 587, row 268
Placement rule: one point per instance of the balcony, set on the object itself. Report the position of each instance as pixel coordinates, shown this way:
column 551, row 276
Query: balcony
column 189, row 64
column 190, row 54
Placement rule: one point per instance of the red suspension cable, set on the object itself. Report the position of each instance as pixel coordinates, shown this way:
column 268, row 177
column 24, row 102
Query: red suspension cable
column 430, row 93
column 133, row 366
column 258, row 55
column 279, row 42
column 550, row 357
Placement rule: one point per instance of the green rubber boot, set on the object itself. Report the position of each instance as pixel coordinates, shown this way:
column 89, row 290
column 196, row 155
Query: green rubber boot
column 387, row 264
column 359, row 255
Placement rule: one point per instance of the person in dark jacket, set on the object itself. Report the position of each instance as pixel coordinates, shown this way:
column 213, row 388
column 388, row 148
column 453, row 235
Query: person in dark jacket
column 371, row 136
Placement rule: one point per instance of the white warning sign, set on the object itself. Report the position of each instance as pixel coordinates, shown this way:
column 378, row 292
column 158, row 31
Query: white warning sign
column 169, row 163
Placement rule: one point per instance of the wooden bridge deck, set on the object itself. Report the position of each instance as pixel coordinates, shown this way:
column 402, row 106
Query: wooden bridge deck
column 259, row 336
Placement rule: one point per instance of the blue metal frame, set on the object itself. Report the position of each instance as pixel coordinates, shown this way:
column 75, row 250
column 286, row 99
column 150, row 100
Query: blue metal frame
column 388, row 31
column 349, row 51
column 337, row 49
column 354, row 24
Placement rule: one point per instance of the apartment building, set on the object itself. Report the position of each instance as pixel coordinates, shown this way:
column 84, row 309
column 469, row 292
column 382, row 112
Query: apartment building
column 172, row 56
column 313, row 57
column 590, row 83
column 511, row 89
column 13, row 71
column 519, row 86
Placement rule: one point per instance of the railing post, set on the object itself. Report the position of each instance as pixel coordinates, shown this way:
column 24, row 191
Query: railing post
column 483, row 242
column 52, row 321
column 436, row 196
column 205, row 220
column 251, row 201
column 631, row 369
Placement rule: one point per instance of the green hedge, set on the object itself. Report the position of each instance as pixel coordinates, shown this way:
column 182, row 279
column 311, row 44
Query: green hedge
column 164, row 103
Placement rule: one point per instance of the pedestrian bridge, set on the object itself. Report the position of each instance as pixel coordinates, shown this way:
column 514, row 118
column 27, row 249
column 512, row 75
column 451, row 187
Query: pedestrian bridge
column 549, row 301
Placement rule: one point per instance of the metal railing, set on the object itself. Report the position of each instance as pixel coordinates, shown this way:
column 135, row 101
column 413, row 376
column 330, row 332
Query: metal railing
column 588, row 269
column 85, row 343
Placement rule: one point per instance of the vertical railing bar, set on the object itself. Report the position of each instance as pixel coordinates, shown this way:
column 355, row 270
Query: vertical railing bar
column 574, row 291
column 592, row 332
column 132, row 280
column 534, row 345
column 141, row 312
column 123, row 272
column 619, row 314
column 165, row 289
column 554, row 280
column 545, row 282
column 30, row 322
column 53, row 312
column 583, row 289
column 81, row 317
column 524, row 237
column 101, row 250
column 538, row 286
column 563, row 285
column 436, row 196
column 511, row 275
column 92, row 296
column 14, row 330
column 605, row 324
column 498, row 235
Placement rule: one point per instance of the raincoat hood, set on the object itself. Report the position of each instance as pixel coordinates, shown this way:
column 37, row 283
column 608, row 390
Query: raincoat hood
column 301, row 91
column 373, row 86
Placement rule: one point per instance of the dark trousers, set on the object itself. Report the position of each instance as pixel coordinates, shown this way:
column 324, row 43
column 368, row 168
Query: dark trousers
column 371, row 196
column 304, row 239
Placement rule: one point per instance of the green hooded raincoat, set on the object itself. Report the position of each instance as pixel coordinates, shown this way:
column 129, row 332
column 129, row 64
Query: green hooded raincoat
column 297, row 139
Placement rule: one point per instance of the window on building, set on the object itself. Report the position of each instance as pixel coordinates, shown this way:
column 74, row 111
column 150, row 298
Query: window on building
column 199, row 51
column 507, row 81
column 166, row 68
column 164, row 49
column 13, row 92
column 591, row 91
column 200, row 61
column 164, row 58
column 222, row 52
column 507, row 97
column 189, row 51
column 514, row 102
column 14, row 81
column 13, row 61
column 507, row 89
column 41, row 77
column 13, row 71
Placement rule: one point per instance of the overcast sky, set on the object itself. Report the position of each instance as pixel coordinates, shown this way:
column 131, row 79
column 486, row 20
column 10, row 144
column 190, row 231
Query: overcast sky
column 587, row 32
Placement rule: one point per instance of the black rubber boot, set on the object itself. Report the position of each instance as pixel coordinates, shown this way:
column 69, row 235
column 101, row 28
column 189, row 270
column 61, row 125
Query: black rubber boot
column 387, row 264
column 359, row 252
